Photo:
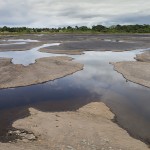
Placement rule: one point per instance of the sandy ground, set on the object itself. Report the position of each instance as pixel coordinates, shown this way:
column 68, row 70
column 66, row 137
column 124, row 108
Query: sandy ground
column 72, row 52
column 45, row 69
column 138, row 71
column 89, row 128
column 144, row 57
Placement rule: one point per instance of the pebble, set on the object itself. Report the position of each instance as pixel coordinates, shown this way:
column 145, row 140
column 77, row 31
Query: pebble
column 30, row 137
column 26, row 136
column 106, row 140
column 25, row 140
column 84, row 141
column 70, row 148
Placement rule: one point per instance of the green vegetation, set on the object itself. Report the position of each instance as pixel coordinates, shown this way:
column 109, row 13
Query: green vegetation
column 82, row 29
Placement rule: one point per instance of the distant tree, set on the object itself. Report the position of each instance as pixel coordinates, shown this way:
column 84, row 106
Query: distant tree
column 69, row 28
column 5, row 28
column 98, row 28
column 83, row 28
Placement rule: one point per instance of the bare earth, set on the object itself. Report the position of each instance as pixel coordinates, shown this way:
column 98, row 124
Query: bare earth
column 89, row 128
column 19, row 47
column 144, row 57
column 69, row 52
column 43, row 70
column 73, row 43
column 138, row 72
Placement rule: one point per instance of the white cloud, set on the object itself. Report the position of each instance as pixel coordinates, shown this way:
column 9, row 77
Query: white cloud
column 54, row 13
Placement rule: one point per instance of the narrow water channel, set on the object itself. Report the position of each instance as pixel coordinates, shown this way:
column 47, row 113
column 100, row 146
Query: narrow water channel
column 96, row 82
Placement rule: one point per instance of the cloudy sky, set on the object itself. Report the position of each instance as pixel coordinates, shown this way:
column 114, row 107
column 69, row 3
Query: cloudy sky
column 59, row 13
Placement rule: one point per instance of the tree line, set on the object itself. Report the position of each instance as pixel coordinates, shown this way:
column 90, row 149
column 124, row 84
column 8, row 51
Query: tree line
column 82, row 29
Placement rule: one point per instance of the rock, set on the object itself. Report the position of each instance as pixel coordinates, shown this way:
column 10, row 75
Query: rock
column 84, row 141
column 30, row 137
column 17, row 132
column 70, row 148
column 25, row 140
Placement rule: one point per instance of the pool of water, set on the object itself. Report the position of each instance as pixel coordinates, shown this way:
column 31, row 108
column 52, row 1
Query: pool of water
column 29, row 56
column 96, row 82
column 17, row 42
column 119, row 41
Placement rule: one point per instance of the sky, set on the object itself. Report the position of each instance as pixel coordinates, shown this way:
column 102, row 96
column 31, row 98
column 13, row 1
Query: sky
column 60, row 13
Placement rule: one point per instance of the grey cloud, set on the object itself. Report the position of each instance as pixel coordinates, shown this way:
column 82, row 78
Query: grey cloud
column 131, row 19
column 58, row 13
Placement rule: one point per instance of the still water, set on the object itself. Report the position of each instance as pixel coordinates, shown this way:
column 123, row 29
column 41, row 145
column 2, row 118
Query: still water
column 29, row 56
column 96, row 82
column 17, row 42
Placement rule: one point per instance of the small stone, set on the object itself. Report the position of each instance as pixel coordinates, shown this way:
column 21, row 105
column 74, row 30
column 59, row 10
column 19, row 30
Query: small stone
column 10, row 132
column 25, row 140
column 93, row 147
column 106, row 140
column 30, row 137
column 17, row 132
column 29, row 132
column 70, row 147
column 84, row 141
column 23, row 134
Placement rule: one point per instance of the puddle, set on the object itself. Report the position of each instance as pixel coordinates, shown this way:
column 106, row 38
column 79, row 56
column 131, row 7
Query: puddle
column 116, row 40
column 22, row 40
column 17, row 41
column 97, row 82
column 29, row 56
column 39, row 35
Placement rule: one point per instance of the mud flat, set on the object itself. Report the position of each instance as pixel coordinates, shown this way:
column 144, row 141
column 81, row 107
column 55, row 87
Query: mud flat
column 138, row 71
column 89, row 128
column 96, row 44
column 73, row 43
column 45, row 69
column 68, row 52
column 144, row 57
column 76, row 43
column 19, row 47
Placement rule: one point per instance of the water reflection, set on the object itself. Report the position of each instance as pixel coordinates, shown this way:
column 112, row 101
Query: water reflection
column 29, row 56
column 17, row 42
column 97, row 82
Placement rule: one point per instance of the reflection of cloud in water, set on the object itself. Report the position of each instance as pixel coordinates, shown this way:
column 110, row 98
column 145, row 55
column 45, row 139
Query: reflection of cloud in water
column 21, row 40
column 97, row 81
column 98, row 75
column 29, row 56
column 17, row 41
